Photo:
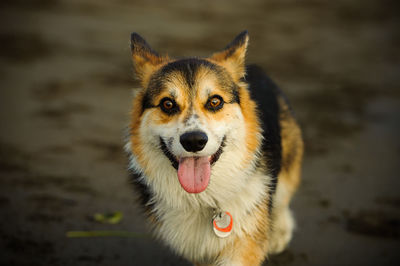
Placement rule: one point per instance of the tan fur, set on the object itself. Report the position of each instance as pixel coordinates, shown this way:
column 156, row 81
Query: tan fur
column 253, row 132
column 136, row 142
column 292, row 150
column 251, row 249
column 289, row 179
column 145, row 64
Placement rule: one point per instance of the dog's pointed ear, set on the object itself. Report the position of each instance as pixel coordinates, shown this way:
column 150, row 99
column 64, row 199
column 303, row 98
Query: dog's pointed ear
column 233, row 56
column 145, row 59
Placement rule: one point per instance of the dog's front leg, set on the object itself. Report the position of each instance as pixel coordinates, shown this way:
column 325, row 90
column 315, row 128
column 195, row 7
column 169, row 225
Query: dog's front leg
column 245, row 251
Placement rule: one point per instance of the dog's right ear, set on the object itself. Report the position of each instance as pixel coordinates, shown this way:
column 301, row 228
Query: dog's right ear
column 145, row 59
column 233, row 56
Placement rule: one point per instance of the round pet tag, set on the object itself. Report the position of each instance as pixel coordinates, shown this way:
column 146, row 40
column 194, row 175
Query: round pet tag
column 222, row 224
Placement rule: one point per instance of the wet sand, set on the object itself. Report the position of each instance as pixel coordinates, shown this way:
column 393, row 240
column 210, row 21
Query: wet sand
column 66, row 86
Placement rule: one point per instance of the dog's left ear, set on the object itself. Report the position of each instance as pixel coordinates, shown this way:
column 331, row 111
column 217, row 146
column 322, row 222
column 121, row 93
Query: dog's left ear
column 233, row 56
column 145, row 59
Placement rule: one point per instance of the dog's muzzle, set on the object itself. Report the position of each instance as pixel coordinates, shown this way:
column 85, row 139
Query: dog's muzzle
column 175, row 161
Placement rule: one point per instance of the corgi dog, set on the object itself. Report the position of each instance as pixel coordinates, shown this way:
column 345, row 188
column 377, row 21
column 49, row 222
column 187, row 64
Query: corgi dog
column 215, row 155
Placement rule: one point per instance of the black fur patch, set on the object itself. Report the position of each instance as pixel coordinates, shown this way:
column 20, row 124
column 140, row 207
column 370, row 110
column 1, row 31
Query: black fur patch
column 154, row 88
column 142, row 189
column 236, row 96
column 264, row 91
column 187, row 67
column 146, row 103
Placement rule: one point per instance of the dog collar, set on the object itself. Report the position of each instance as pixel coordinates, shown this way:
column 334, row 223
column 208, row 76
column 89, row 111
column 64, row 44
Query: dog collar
column 222, row 223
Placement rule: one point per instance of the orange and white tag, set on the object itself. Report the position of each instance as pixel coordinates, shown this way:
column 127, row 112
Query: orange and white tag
column 222, row 224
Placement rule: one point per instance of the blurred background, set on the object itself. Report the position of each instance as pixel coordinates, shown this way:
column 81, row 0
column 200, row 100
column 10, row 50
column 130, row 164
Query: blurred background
column 66, row 84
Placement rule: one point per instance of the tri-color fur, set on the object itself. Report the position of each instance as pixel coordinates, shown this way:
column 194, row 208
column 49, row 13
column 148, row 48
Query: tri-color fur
column 253, row 145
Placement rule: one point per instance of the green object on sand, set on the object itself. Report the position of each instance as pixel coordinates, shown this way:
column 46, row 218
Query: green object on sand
column 108, row 218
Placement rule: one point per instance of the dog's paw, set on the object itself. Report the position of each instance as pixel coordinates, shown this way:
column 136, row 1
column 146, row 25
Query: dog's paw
column 282, row 231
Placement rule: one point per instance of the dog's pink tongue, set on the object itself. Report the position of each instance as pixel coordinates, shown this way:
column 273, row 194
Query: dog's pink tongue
column 194, row 173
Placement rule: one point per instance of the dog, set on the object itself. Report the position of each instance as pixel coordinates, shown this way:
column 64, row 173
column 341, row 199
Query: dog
column 215, row 154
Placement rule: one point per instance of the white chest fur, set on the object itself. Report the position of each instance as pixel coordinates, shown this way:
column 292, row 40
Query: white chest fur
column 186, row 219
column 187, row 225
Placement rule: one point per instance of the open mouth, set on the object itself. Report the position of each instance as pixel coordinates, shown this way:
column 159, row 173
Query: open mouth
column 193, row 172
column 175, row 161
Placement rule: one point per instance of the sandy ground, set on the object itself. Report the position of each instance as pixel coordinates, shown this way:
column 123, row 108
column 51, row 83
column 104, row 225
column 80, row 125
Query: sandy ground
column 66, row 84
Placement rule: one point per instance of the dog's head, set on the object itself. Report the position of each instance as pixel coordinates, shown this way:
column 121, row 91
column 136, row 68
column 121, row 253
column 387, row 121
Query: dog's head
column 190, row 111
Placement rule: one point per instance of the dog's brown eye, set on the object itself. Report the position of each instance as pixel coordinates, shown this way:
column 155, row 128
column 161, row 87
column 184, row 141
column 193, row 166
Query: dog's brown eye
column 168, row 106
column 215, row 103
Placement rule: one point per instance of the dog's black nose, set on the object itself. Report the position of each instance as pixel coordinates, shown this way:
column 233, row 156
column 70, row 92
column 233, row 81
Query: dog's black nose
column 193, row 141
